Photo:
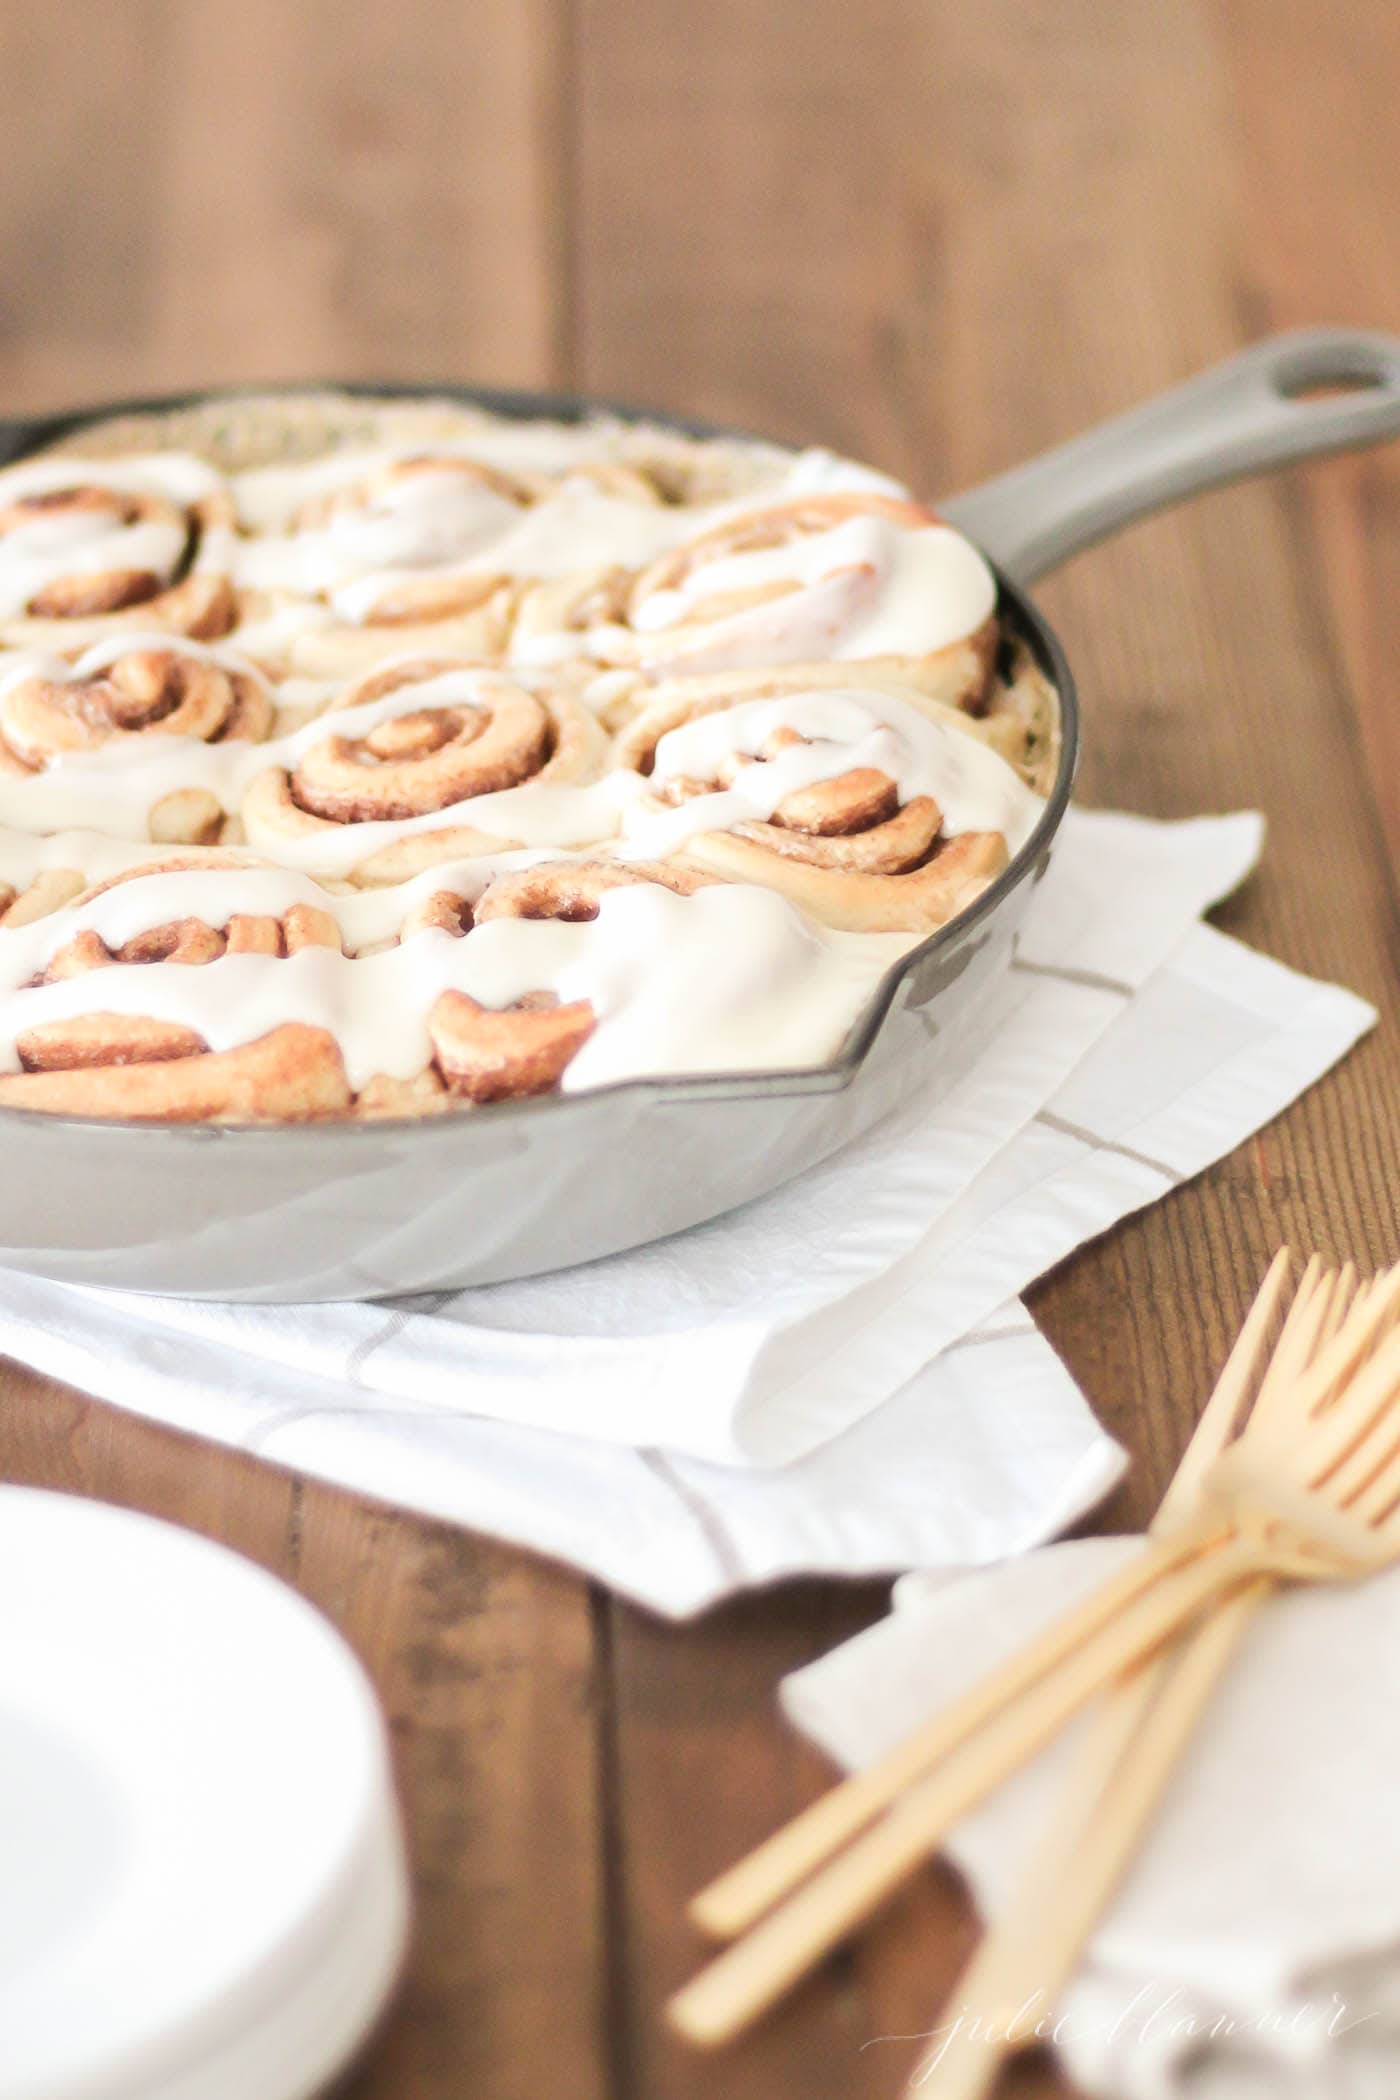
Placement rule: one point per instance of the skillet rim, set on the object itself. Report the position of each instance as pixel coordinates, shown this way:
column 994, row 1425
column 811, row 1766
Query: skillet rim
column 19, row 436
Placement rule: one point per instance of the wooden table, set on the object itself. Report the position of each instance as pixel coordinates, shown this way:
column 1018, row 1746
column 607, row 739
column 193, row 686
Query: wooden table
column 939, row 236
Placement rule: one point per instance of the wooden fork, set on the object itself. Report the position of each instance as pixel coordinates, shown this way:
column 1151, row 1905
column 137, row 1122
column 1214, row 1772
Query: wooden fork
column 1123, row 1769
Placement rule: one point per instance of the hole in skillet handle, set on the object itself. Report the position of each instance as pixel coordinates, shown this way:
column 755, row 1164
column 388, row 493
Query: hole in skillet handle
column 1331, row 389
column 1333, row 371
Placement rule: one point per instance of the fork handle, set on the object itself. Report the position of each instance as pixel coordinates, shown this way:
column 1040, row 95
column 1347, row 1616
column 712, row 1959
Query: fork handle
column 740, row 1896
column 1115, row 1789
column 752, row 1974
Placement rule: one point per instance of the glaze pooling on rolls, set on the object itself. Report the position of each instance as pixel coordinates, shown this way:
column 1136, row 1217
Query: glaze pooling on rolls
column 438, row 550
column 852, row 577
column 503, row 759
column 496, row 984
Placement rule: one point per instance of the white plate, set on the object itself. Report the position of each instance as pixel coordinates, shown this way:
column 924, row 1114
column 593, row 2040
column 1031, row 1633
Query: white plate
column 202, row 1887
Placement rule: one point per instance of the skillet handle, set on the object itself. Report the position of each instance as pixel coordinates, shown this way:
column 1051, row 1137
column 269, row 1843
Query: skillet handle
column 1241, row 417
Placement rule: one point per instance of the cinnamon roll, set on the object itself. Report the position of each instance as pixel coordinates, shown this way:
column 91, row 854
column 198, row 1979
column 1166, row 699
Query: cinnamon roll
column 381, row 561
column 417, row 765
column 854, row 576
column 89, row 548
column 864, row 809
column 121, row 688
column 486, row 1052
column 1018, row 719
column 148, row 694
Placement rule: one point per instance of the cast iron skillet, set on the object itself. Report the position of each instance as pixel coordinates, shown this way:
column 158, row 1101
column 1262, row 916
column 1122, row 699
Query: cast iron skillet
column 317, row 1211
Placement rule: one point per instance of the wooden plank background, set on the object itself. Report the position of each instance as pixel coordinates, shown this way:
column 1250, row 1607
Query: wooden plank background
column 941, row 236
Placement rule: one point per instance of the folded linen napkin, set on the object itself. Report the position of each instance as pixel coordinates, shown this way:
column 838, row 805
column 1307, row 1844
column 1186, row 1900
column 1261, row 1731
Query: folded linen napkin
column 778, row 1392
column 1253, row 1953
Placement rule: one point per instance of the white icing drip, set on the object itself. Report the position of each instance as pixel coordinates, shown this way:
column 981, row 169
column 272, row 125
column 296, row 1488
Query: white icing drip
column 730, row 978
column 727, row 979
column 456, row 528
column 581, row 528
column 843, row 731
column 210, row 891
column 535, row 814
column 817, row 472
column 130, row 908
column 933, row 587
column 803, row 626
column 267, row 498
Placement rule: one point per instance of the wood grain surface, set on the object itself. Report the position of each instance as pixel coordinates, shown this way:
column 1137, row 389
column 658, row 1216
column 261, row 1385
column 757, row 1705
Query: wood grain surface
column 939, row 236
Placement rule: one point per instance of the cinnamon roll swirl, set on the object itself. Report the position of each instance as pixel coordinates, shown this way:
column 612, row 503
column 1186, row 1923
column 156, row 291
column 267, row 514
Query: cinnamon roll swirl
column 88, row 548
column 409, row 743
column 118, row 690
column 1017, row 720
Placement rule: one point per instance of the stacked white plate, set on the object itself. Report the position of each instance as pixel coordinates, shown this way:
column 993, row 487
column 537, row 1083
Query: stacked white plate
column 202, row 1883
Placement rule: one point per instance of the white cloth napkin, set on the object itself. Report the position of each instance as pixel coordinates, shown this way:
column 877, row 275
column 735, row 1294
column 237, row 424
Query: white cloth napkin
column 779, row 1391
column 1253, row 1953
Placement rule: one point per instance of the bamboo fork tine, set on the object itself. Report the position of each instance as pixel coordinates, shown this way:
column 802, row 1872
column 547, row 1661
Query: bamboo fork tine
column 741, row 1895
column 1304, row 1324
column 1228, row 1404
column 1359, row 1414
column 1365, row 1484
column 1348, row 1348
column 1346, row 1478
column 1349, row 1296
column 751, row 1974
